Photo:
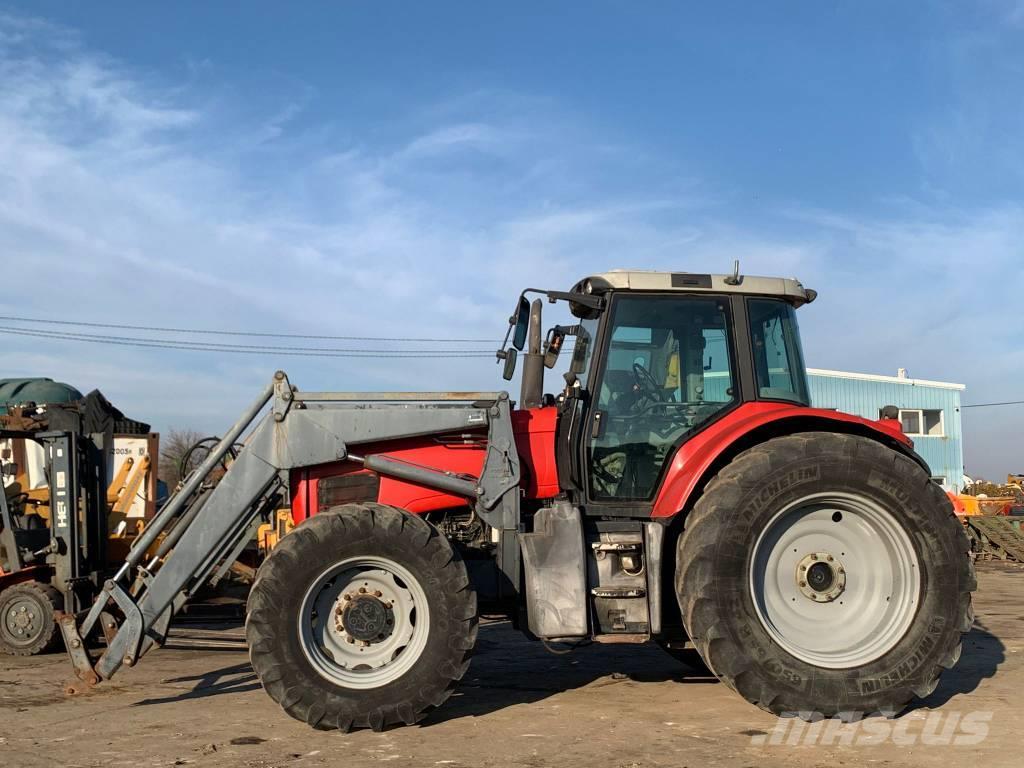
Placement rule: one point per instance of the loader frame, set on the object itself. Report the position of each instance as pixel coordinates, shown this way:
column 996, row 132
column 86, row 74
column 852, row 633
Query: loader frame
column 204, row 526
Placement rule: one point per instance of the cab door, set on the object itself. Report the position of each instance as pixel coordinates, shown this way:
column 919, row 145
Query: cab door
column 663, row 369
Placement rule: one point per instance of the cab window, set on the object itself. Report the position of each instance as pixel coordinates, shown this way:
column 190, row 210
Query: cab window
column 778, row 358
column 667, row 370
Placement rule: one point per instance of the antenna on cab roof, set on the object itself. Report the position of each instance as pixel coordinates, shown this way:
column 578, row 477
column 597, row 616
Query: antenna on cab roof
column 734, row 278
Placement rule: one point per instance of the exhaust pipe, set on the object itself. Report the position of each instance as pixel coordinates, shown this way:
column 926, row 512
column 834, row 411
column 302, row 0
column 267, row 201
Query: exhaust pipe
column 532, row 390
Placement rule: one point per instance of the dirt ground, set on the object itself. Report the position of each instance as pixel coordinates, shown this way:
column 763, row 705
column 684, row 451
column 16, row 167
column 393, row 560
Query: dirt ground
column 197, row 702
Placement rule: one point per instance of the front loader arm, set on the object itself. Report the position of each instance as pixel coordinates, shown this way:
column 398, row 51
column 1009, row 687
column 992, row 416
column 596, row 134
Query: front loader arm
column 206, row 526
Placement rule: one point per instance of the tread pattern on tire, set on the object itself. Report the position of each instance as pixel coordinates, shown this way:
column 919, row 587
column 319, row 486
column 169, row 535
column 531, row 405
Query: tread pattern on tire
column 342, row 709
column 695, row 576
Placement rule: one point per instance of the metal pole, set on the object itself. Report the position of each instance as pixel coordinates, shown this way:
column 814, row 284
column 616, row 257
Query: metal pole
column 175, row 505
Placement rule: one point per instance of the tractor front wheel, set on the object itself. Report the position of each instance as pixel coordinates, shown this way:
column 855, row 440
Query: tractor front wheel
column 823, row 574
column 362, row 617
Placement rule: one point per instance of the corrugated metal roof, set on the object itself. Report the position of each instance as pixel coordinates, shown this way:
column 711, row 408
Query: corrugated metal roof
column 886, row 379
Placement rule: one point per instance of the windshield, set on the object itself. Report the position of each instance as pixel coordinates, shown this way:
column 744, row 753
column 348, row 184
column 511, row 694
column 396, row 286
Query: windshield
column 778, row 358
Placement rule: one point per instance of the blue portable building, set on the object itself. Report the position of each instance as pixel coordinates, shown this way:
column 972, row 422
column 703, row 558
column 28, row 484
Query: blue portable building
column 929, row 411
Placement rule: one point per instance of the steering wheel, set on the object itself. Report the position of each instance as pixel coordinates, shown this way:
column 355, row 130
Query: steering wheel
column 646, row 383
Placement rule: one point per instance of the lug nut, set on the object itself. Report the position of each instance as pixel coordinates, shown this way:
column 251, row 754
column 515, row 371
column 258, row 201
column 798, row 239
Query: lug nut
column 830, row 558
column 351, row 639
column 377, row 593
column 362, row 590
column 803, row 583
column 803, row 567
column 814, row 557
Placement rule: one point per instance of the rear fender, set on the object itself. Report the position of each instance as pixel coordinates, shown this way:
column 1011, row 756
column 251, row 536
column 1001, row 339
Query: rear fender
column 701, row 457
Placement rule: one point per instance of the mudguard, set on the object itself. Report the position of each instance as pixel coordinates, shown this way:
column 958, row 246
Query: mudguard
column 751, row 423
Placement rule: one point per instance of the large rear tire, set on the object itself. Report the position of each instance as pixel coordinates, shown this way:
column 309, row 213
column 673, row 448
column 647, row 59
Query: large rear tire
column 362, row 617
column 27, row 624
column 824, row 574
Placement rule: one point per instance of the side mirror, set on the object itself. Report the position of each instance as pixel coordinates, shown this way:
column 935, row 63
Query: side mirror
column 521, row 321
column 510, row 364
column 10, row 469
column 553, row 346
column 579, row 355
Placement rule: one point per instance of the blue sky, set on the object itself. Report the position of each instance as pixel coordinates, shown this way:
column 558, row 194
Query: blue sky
column 402, row 169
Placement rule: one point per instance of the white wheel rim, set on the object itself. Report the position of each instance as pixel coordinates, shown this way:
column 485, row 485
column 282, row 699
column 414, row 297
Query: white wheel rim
column 857, row 611
column 325, row 628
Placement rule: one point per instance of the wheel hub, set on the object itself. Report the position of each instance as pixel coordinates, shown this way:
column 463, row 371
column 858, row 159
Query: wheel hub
column 821, row 577
column 366, row 618
column 834, row 579
column 364, row 622
column 20, row 620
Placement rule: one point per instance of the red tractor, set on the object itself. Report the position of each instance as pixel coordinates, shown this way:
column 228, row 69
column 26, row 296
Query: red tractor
column 680, row 489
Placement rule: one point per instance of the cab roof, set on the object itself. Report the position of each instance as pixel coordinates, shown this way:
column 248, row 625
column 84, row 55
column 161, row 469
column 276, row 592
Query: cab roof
column 786, row 288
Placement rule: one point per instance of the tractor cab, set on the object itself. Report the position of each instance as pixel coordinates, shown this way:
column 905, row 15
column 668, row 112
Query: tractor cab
column 658, row 357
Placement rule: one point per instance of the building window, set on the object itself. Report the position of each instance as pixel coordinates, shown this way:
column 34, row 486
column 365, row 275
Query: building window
column 922, row 422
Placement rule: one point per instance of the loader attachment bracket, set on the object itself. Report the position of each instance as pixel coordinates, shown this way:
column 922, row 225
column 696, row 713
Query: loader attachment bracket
column 80, row 660
column 501, row 471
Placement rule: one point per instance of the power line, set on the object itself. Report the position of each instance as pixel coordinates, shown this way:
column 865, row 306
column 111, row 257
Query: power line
column 244, row 349
column 992, row 405
column 227, row 345
column 123, row 327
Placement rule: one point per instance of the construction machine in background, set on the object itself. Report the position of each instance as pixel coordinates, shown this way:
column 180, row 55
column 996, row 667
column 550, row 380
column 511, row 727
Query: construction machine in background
column 680, row 489
column 993, row 523
column 78, row 487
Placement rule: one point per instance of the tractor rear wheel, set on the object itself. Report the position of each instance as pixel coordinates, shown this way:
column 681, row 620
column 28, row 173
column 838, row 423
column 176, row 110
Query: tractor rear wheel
column 823, row 574
column 361, row 617
column 27, row 624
